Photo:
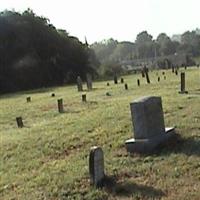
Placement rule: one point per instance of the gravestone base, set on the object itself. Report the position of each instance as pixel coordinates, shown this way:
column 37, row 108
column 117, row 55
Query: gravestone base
column 148, row 145
column 183, row 92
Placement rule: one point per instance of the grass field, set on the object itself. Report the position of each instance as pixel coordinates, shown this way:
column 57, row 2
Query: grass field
column 48, row 158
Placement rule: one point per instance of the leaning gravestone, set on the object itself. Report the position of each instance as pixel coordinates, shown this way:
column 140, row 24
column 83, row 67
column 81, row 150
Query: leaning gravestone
column 183, row 91
column 79, row 84
column 146, row 71
column 148, row 123
column 96, row 166
column 60, row 106
column 19, row 122
column 89, row 81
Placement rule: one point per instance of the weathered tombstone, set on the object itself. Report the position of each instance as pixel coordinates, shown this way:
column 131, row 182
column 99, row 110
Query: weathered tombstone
column 126, row 86
column 146, row 74
column 83, row 97
column 89, row 81
column 163, row 73
column 148, row 123
column 19, row 122
column 96, row 166
column 138, row 82
column 53, row 94
column 122, row 80
column 176, row 72
column 108, row 83
column 28, row 99
column 60, row 106
column 183, row 83
column 79, row 84
column 115, row 79
column 158, row 79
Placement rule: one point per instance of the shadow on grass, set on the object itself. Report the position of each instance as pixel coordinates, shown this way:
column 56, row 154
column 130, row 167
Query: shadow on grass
column 189, row 146
column 128, row 188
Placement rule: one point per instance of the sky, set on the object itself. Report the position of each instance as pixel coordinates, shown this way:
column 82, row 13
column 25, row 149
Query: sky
column 119, row 19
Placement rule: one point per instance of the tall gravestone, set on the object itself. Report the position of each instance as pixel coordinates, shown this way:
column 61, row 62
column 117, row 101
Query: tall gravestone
column 89, row 81
column 122, row 80
column 149, row 126
column 79, row 84
column 60, row 106
column 19, row 122
column 96, row 166
column 146, row 71
column 183, row 83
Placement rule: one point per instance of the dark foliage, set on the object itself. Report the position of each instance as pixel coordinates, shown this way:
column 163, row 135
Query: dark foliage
column 33, row 53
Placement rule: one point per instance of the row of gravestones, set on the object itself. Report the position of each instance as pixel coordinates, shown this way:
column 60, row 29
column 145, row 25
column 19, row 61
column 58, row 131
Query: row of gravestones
column 60, row 101
column 60, row 108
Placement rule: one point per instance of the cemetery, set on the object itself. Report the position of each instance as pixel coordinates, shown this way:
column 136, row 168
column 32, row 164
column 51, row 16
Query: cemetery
column 132, row 138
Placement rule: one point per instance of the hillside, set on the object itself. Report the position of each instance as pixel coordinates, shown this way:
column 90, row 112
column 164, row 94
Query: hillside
column 48, row 158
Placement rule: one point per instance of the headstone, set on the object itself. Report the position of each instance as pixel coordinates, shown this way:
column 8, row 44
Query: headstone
column 89, row 81
column 163, row 73
column 108, row 83
column 83, row 97
column 53, row 94
column 158, row 79
column 79, row 84
column 183, row 83
column 148, row 123
column 138, row 82
column 19, row 122
column 28, row 99
column 96, row 166
column 176, row 72
column 126, row 86
column 60, row 106
column 146, row 74
column 115, row 79
column 122, row 80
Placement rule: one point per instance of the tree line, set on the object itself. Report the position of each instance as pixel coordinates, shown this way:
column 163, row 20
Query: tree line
column 34, row 54
column 111, row 52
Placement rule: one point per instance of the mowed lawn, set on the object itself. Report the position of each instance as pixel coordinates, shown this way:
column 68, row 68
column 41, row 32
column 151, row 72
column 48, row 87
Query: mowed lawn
column 48, row 158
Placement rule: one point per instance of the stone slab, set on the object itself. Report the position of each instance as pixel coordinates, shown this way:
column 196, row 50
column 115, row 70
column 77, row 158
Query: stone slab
column 148, row 145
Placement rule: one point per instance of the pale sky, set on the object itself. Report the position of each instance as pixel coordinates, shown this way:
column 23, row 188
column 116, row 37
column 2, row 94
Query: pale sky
column 119, row 19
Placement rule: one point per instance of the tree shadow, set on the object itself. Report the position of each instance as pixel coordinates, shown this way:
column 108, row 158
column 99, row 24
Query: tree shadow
column 128, row 188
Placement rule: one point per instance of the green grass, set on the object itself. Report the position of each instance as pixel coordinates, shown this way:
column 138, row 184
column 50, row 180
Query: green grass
column 48, row 158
